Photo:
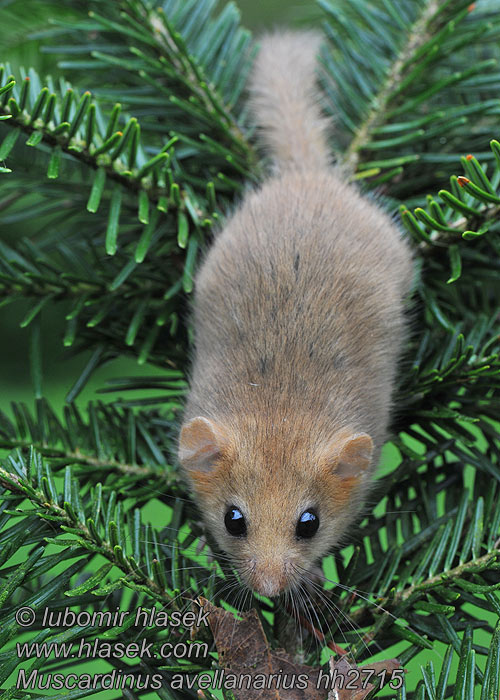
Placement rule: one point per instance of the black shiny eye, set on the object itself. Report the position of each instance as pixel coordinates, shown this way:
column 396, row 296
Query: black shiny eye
column 308, row 524
column 235, row 522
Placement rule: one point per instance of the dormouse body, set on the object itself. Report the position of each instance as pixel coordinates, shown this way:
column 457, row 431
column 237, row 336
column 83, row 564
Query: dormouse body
column 298, row 318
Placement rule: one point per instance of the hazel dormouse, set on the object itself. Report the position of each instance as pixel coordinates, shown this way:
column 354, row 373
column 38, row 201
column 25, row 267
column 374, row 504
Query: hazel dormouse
column 298, row 315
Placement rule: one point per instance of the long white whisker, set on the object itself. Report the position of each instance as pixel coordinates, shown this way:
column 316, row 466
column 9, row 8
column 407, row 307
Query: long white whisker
column 333, row 608
column 352, row 589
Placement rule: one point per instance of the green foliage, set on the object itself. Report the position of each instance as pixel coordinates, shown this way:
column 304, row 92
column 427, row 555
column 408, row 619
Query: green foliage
column 408, row 83
column 120, row 178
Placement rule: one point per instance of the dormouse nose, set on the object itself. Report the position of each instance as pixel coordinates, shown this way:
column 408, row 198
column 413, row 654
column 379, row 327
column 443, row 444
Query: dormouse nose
column 269, row 577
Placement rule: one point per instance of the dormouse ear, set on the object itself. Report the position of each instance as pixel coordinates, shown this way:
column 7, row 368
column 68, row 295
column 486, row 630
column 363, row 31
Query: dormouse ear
column 200, row 444
column 353, row 456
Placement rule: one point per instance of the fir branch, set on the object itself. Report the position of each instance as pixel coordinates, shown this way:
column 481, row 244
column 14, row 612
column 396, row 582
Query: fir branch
column 68, row 519
column 417, row 35
column 398, row 601
column 92, row 443
column 170, row 42
column 104, row 156
column 64, row 457
column 475, row 196
column 388, row 100
column 195, row 71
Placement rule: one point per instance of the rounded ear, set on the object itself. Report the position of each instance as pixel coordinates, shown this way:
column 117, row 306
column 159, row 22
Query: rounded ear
column 355, row 456
column 352, row 457
column 200, row 444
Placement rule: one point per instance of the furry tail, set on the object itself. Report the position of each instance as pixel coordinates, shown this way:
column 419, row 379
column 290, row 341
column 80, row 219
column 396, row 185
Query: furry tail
column 284, row 101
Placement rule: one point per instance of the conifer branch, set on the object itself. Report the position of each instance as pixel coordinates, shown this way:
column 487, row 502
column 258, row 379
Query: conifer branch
column 112, row 551
column 78, row 457
column 97, row 156
column 392, row 603
column 170, row 42
column 417, row 35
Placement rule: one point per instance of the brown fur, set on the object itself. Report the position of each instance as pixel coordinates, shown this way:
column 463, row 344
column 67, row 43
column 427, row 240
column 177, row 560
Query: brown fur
column 298, row 317
column 284, row 100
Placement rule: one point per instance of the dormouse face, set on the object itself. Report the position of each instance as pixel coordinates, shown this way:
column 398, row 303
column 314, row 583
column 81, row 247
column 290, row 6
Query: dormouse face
column 272, row 546
column 276, row 504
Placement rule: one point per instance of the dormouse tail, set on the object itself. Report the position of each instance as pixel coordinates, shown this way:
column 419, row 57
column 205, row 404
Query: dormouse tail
column 284, row 100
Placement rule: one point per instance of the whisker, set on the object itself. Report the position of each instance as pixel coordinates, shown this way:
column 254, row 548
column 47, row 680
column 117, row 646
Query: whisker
column 333, row 645
column 333, row 608
column 359, row 592
column 308, row 607
column 352, row 589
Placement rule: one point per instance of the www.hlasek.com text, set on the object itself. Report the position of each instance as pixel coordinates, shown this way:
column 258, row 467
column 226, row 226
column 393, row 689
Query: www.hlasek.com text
column 101, row 649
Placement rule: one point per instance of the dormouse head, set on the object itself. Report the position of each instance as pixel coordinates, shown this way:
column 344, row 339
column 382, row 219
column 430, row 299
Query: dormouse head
column 276, row 500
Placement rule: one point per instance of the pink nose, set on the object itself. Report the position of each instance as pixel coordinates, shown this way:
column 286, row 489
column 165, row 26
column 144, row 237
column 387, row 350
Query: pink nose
column 269, row 579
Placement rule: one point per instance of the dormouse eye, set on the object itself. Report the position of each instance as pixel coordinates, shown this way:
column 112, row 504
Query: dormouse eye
column 308, row 524
column 235, row 522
